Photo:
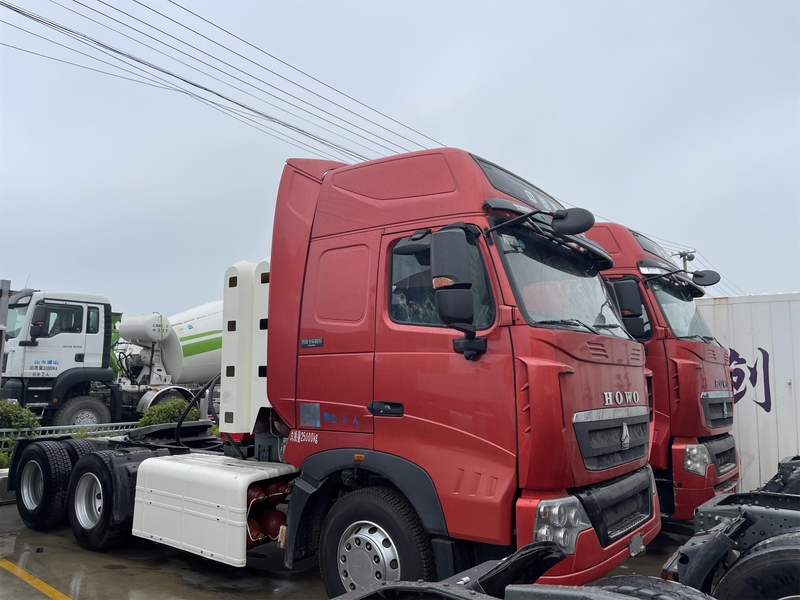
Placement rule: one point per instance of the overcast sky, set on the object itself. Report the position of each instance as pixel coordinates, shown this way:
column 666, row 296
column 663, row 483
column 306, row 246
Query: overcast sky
column 680, row 119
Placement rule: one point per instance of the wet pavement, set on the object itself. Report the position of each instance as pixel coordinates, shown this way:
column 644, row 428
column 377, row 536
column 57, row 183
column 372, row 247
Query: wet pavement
column 143, row 570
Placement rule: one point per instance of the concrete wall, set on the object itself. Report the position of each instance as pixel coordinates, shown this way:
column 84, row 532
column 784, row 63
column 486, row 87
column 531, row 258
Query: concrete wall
column 763, row 335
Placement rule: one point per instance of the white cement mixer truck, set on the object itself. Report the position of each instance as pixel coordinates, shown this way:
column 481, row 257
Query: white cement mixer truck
column 60, row 361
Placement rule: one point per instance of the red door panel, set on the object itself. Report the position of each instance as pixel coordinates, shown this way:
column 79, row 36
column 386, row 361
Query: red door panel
column 337, row 334
column 459, row 415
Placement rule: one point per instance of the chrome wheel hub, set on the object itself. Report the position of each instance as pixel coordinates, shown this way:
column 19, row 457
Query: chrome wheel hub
column 88, row 500
column 32, row 485
column 366, row 555
column 85, row 417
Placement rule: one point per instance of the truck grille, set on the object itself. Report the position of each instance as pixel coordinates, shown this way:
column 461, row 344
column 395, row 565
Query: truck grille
column 619, row 506
column 723, row 452
column 718, row 408
column 610, row 437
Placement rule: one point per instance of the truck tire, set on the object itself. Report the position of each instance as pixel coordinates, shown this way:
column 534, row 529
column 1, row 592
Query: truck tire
column 648, row 588
column 91, row 498
column 372, row 535
column 82, row 410
column 42, row 483
column 77, row 449
column 769, row 570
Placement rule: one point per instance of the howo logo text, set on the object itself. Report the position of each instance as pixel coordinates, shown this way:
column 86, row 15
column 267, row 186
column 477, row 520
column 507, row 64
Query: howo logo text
column 620, row 398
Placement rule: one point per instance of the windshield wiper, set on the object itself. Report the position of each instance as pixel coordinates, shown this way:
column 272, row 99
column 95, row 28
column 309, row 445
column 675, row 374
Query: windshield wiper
column 573, row 322
column 692, row 336
column 609, row 326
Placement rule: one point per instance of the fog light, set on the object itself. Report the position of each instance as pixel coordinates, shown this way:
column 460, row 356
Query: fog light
column 560, row 521
column 544, row 534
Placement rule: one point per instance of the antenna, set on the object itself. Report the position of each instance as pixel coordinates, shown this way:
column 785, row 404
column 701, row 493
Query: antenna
column 26, row 281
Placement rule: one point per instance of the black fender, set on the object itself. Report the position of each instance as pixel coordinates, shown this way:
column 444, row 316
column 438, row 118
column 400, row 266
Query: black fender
column 69, row 378
column 413, row 481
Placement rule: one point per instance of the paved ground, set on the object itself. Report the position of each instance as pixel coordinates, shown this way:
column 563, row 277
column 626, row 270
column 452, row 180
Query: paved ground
column 142, row 570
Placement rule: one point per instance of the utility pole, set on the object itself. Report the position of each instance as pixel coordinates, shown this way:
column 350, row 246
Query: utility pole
column 686, row 256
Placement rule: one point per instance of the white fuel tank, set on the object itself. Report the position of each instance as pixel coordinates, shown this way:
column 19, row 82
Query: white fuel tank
column 191, row 341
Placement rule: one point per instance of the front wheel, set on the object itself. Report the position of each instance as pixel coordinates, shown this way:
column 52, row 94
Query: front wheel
column 373, row 535
column 82, row 410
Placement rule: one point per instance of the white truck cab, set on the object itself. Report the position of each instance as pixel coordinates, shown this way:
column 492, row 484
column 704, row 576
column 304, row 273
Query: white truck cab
column 58, row 344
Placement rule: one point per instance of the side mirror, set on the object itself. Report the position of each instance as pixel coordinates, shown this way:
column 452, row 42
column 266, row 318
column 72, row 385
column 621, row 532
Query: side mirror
column 571, row 221
column 705, row 278
column 634, row 326
column 628, row 299
column 453, row 284
column 38, row 321
column 451, row 278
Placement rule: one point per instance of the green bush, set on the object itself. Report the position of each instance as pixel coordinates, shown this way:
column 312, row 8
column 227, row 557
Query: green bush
column 5, row 460
column 14, row 416
column 167, row 412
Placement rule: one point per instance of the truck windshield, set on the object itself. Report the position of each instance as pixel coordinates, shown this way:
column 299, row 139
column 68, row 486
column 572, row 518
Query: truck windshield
column 16, row 315
column 556, row 285
column 680, row 311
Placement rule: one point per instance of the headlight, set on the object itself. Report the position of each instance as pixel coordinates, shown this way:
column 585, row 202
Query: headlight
column 695, row 459
column 560, row 521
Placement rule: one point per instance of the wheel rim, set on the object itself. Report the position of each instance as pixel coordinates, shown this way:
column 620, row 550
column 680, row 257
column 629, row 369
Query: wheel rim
column 367, row 554
column 88, row 500
column 86, row 417
column 32, row 485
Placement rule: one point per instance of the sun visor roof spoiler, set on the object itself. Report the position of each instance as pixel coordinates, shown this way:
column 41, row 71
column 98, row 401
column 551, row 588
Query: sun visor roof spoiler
column 601, row 257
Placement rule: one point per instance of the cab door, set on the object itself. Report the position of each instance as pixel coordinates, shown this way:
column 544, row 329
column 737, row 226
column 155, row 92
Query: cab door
column 62, row 346
column 453, row 417
column 95, row 336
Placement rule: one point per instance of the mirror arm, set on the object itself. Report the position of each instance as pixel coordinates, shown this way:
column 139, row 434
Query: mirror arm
column 517, row 219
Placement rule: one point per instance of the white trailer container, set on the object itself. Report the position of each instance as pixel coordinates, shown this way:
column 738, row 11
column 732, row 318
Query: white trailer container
column 763, row 336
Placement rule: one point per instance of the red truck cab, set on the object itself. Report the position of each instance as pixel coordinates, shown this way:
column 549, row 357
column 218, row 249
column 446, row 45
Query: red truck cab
column 694, row 455
column 434, row 333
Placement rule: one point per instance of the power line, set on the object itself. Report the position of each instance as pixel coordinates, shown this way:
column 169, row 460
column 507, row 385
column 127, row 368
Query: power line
column 306, row 74
column 286, row 78
column 208, row 74
column 250, row 75
column 69, row 31
column 168, row 86
column 135, row 81
column 356, row 155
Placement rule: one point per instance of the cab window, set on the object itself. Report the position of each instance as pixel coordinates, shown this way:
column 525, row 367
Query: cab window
column 93, row 320
column 62, row 319
column 412, row 299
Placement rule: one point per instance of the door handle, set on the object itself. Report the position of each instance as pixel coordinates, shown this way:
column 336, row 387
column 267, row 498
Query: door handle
column 79, row 358
column 386, row 409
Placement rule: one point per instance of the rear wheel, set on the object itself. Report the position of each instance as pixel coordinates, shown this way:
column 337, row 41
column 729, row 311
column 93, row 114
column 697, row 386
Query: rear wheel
column 91, row 501
column 373, row 535
column 82, row 410
column 77, row 449
column 647, row 588
column 42, row 483
column 768, row 571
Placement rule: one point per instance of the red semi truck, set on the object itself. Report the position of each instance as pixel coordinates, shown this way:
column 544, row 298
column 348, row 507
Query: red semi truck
column 694, row 454
column 449, row 380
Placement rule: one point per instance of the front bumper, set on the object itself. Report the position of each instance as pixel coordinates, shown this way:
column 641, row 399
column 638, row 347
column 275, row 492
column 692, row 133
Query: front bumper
column 690, row 490
column 594, row 553
column 591, row 560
